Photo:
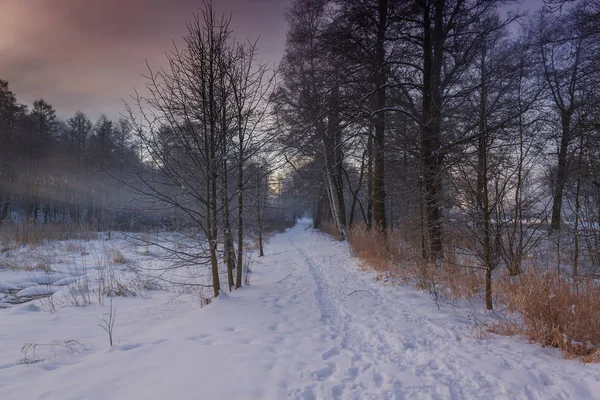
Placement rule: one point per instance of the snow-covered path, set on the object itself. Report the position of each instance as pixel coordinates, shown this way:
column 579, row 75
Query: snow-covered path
column 313, row 325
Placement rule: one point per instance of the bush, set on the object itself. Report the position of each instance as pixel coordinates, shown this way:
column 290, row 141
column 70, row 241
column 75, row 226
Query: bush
column 552, row 311
column 114, row 256
column 396, row 258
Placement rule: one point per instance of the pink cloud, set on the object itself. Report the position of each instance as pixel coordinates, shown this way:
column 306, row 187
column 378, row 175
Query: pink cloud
column 89, row 54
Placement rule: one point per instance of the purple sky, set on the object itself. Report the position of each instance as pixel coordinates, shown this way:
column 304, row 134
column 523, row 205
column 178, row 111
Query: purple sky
column 89, row 54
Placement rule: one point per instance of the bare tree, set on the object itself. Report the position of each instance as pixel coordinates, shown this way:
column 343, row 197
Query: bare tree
column 107, row 322
column 181, row 127
column 569, row 69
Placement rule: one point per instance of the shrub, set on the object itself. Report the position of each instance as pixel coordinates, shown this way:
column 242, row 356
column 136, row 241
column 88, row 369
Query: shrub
column 114, row 256
column 554, row 312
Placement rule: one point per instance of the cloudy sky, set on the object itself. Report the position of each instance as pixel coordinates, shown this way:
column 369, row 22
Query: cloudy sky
column 89, row 54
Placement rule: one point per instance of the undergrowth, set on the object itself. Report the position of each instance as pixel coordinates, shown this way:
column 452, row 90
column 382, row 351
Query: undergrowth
column 546, row 307
column 13, row 234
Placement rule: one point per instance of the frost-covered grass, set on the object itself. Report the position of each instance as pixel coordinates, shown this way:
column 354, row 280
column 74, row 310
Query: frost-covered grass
column 81, row 272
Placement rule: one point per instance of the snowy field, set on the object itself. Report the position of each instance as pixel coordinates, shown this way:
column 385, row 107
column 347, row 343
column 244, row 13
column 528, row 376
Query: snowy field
column 313, row 325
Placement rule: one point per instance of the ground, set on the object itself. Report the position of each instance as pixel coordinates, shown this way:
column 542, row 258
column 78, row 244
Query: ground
column 313, row 325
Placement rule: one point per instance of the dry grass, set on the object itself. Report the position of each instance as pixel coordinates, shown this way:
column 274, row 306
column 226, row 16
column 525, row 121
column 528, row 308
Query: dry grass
column 6, row 264
column 381, row 251
column 37, row 234
column 75, row 247
column 29, row 349
column 555, row 312
column 448, row 280
column 547, row 308
column 329, row 228
column 395, row 257
column 114, row 256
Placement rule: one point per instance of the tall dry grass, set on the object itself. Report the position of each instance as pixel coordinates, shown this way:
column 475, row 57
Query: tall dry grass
column 548, row 308
column 37, row 234
column 329, row 228
column 396, row 256
column 554, row 311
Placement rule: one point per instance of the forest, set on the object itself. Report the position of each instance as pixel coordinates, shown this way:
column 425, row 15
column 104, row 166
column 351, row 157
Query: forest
column 453, row 144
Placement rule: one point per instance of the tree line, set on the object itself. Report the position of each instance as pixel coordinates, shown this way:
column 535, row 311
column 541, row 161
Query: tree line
column 54, row 171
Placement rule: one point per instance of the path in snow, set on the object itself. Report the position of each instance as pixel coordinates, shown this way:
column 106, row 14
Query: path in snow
column 313, row 325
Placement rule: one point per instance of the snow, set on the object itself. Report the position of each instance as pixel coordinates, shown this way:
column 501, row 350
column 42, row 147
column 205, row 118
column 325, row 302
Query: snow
column 313, row 325
column 37, row 291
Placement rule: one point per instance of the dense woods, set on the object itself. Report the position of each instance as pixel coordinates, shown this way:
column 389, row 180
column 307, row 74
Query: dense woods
column 54, row 171
column 468, row 126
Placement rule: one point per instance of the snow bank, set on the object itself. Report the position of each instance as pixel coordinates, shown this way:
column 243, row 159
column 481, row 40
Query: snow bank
column 39, row 290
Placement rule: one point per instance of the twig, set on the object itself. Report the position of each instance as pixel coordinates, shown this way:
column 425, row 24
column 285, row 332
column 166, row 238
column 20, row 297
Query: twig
column 107, row 322
column 355, row 291
column 289, row 275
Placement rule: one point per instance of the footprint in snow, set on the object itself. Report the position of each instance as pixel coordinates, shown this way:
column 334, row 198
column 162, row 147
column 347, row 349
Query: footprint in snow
column 378, row 379
column 128, row 347
column 199, row 337
column 330, row 353
column 326, row 371
column 337, row 391
column 49, row 366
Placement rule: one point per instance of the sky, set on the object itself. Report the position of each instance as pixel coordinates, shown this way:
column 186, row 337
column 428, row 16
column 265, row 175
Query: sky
column 89, row 54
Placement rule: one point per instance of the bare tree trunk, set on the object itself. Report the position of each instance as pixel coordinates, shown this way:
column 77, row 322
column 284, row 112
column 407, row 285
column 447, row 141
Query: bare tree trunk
column 370, row 182
column 4, row 207
column 483, row 199
column 328, row 166
column 333, row 203
column 423, row 222
column 430, row 125
column 259, row 216
column 212, row 238
column 577, row 214
column 561, row 172
column 356, row 192
column 228, row 235
column 213, row 176
column 515, row 244
column 380, row 102
column 240, row 218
